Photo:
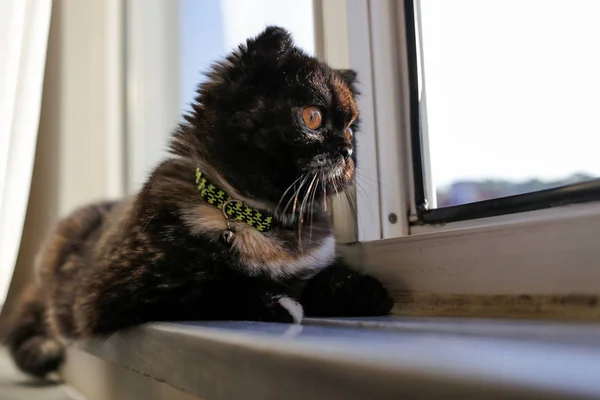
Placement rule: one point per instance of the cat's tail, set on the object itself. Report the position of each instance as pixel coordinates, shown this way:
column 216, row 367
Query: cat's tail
column 31, row 346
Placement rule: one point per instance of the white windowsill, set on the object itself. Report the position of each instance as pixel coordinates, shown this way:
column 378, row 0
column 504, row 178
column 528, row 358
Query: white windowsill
column 364, row 358
column 543, row 264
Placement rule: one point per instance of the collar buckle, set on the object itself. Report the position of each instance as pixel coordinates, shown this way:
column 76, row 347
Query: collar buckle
column 224, row 211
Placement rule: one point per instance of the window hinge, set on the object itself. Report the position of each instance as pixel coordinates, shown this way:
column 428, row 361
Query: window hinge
column 413, row 219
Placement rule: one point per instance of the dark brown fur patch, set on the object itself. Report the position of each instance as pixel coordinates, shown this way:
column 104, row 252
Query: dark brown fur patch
column 345, row 98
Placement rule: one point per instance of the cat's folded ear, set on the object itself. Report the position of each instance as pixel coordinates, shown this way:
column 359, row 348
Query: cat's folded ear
column 262, row 54
column 348, row 75
column 271, row 48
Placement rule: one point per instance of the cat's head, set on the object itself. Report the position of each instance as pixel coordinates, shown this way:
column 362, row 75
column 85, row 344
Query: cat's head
column 271, row 119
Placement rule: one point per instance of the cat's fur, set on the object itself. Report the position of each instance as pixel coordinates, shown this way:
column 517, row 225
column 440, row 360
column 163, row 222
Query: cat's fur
column 159, row 255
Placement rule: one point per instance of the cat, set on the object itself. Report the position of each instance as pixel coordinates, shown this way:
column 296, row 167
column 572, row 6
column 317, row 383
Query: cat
column 232, row 226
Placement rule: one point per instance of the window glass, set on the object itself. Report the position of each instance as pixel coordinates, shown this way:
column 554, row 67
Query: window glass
column 511, row 95
column 210, row 29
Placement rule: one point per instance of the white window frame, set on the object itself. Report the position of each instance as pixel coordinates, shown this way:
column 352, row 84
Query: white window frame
column 152, row 100
column 349, row 29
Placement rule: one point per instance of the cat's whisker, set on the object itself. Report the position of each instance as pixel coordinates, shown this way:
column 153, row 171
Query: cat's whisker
column 351, row 201
column 324, row 183
column 351, row 197
column 286, row 192
column 345, row 192
column 363, row 169
column 307, row 195
column 367, row 180
column 295, row 200
column 148, row 222
column 302, row 208
column 290, row 188
column 312, row 203
column 295, row 196
column 335, row 189
column 360, row 191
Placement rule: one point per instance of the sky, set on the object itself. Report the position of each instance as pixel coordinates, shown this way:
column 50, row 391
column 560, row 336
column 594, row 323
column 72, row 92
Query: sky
column 512, row 86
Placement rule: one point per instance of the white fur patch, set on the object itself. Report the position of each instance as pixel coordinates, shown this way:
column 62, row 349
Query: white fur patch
column 315, row 260
column 293, row 307
column 277, row 268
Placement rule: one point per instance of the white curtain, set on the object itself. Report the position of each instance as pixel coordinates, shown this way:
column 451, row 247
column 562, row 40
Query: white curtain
column 24, row 26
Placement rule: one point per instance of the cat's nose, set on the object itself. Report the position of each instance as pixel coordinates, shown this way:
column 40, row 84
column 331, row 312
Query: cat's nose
column 345, row 151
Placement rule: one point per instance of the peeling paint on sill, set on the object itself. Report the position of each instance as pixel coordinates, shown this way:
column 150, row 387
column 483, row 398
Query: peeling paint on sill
column 563, row 307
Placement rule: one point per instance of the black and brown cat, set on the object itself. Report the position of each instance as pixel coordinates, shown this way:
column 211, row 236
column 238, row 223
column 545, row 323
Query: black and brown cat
column 232, row 226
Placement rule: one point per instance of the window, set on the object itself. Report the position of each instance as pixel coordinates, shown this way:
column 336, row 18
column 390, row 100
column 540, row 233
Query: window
column 507, row 104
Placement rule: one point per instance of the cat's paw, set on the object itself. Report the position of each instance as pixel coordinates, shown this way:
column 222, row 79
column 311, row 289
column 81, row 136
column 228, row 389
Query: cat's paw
column 283, row 309
column 294, row 308
column 341, row 292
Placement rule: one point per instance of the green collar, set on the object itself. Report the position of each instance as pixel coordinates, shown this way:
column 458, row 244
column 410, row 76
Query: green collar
column 235, row 210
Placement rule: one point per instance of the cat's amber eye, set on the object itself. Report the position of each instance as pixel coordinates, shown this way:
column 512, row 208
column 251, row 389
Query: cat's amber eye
column 312, row 117
column 349, row 134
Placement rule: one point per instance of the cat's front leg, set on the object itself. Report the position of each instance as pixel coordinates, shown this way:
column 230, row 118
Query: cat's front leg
column 339, row 291
column 112, row 305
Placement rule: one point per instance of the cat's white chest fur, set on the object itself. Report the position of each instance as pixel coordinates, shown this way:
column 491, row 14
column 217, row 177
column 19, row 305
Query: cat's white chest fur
column 261, row 254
